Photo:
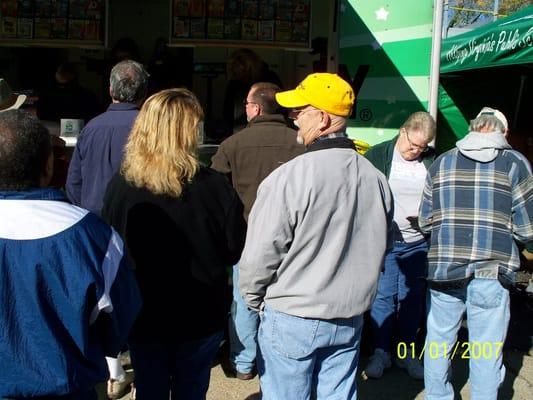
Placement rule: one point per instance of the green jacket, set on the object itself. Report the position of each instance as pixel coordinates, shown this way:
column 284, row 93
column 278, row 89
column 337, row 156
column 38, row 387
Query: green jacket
column 381, row 154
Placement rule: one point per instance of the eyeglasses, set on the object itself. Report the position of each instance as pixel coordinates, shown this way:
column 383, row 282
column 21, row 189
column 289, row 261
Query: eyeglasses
column 297, row 113
column 423, row 149
column 246, row 102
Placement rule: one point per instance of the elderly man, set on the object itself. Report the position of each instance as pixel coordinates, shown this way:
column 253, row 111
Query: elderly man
column 67, row 294
column 404, row 160
column 316, row 239
column 477, row 201
column 248, row 157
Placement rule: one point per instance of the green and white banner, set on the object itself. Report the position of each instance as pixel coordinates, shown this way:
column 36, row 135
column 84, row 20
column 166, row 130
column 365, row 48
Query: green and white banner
column 385, row 48
column 508, row 41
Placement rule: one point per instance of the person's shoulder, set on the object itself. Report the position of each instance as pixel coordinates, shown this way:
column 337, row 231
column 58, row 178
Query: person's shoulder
column 516, row 155
column 443, row 158
column 378, row 148
column 206, row 175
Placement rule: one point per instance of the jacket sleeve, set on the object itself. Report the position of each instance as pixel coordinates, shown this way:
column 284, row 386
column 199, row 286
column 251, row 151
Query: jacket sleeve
column 220, row 161
column 522, row 205
column 74, row 178
column 425, row 213
column 119, row 300
column 270, row 232
column 235, row 228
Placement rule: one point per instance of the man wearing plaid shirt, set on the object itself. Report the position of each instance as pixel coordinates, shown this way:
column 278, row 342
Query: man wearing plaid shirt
column 477, row 203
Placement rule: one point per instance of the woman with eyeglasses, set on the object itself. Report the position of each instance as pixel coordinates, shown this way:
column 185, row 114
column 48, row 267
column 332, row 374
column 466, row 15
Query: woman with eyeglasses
column 398, row 306
column 183, row 225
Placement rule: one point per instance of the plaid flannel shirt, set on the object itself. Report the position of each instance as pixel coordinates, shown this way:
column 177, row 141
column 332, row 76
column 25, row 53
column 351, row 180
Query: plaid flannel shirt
column 475, row 212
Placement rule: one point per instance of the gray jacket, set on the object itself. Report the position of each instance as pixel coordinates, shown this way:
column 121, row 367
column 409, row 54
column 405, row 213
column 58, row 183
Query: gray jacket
column 317, row 235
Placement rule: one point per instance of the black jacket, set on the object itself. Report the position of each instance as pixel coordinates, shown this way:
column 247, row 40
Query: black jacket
column 180, row 248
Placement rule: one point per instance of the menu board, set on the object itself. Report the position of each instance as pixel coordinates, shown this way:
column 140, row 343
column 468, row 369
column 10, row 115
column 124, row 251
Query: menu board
column 279, row 23
column 53, row 20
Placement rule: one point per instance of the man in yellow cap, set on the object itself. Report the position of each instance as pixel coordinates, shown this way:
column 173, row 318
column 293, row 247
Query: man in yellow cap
column 316, row 239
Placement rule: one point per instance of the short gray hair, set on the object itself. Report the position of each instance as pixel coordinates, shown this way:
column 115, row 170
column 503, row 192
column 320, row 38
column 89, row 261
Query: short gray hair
column 128, row 82
column 423, row 122
column 487, row 123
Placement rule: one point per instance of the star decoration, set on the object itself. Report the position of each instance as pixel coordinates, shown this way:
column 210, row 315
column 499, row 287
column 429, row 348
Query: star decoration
column 380, row 132
column 382, row 14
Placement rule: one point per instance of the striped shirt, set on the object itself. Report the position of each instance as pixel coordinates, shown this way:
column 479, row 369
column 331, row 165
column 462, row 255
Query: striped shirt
column 475, row 211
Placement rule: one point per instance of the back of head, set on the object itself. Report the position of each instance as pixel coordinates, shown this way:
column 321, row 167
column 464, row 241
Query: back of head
column 244, row 65
column 24, row 150
column 423, row 122
column 264, row 94
column 489, row 120
column 128, row 82
column 125, row 49
column 161, row 149
column 324, row 91
column 66, row 74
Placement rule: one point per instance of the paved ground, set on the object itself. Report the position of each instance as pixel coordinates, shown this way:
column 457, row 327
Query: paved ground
column 397, row 385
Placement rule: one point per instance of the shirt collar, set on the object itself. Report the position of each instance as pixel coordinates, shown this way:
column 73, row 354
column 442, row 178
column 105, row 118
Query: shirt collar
column 122, row 107
column 339, row 141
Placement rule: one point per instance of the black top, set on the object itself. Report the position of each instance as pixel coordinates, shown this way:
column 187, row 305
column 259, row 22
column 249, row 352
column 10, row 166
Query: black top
column 180, row 248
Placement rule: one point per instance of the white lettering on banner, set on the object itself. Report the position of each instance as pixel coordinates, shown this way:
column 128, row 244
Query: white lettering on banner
column 506, row 41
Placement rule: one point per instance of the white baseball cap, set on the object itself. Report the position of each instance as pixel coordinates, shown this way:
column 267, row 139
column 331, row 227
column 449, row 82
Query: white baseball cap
column 497, row 113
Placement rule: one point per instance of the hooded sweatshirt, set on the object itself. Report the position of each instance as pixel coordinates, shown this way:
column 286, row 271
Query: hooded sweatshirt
column 482, row 147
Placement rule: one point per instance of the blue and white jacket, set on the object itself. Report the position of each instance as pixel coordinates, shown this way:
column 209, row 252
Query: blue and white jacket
column 67, row 295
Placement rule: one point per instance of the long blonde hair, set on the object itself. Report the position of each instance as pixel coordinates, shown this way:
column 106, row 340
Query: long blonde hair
column 161, row 149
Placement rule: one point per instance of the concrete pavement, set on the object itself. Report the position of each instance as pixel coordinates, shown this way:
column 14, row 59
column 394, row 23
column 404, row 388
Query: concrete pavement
column 394, row 385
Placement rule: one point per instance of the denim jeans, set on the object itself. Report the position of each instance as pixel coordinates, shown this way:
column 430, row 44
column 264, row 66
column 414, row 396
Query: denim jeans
column 400, row 296
column 181, row 369
column 242, row 330
column 299, row 356
column 487, row 310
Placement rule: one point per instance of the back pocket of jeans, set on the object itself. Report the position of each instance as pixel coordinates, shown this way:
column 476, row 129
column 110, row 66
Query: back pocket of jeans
column 489, row 298
column 293, row 337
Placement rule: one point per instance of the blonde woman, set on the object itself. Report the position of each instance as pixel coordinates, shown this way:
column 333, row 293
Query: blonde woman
column 183, row 225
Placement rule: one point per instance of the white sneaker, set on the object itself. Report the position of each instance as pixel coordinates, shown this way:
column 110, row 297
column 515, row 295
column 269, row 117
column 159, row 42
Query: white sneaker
column 118, row 388
column 414, row 367
column 378, row 363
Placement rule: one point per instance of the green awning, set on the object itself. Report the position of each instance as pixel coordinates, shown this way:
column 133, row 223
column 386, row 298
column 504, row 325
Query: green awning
column 507, row 41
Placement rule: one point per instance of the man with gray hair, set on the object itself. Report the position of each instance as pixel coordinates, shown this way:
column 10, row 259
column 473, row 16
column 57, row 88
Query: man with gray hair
column 99, row 149
column 477, row 203
column 98, row 155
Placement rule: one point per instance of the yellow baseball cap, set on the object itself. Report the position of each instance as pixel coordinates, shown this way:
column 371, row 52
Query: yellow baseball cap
column 325, row 91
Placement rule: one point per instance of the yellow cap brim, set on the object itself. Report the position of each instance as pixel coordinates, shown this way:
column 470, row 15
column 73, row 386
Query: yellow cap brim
column 291, row 99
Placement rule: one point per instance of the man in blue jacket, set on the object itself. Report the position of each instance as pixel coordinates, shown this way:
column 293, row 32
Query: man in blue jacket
column 68, row 297
column 99, row 149
column 97, row 157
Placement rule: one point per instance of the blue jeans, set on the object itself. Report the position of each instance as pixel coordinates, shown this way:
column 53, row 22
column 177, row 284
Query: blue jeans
column 242, row 330
column 299, row 356
column 400, row 296
column 487, row 310
column 181, row 369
